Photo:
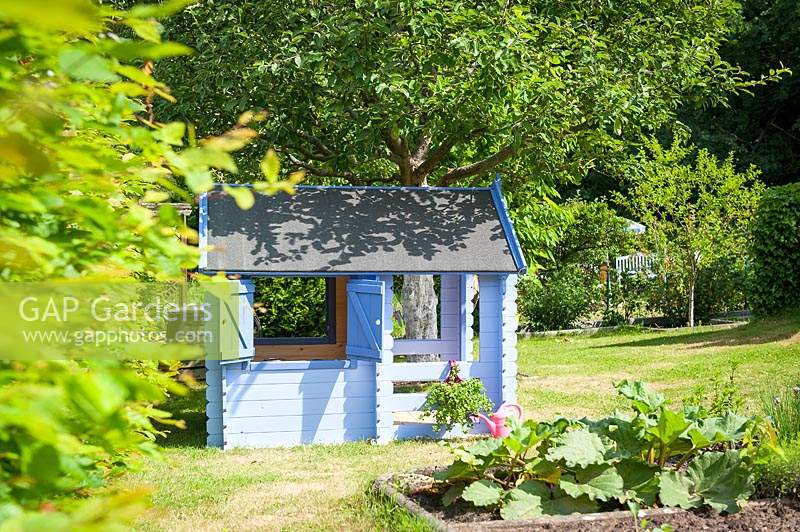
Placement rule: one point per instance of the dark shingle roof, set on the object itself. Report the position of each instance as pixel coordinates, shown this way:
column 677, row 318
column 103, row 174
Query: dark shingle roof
column 360, row 230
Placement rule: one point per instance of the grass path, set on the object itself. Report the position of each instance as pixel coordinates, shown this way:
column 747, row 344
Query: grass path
column 324, row 487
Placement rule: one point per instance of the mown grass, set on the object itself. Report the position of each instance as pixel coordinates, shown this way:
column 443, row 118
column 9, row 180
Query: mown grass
column 327, row 487
column 574, row 375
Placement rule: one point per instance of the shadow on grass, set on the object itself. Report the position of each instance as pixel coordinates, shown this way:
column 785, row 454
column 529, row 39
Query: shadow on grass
column 192, row 409
column 754, row 333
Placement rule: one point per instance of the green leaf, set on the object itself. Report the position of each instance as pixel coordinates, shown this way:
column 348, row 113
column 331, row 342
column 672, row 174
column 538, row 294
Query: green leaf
column 676, row 489
column 644, row 400
column 721, row 480
column 270, row 165
column 716, row 479
column 521, row 505
column 148, row 29
column 578, row 447
column 82, row 65
column 456, row 470
column 199, row 180
column 535, row 487
column 482, row 493
column 453, row 493
column 570, row 505
column 669, row 428
column 730, row 427
column 243, row 196
column 66, row 15
column 485, row 447
column 159, row 10
column 171, row 133
column 43, row 464
column 640, row 480
column 621, row 432
column 598, row 482
column 139, row 49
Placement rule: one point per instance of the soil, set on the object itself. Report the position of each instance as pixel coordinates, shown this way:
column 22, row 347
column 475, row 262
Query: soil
column 764, row 515
column 767, row 516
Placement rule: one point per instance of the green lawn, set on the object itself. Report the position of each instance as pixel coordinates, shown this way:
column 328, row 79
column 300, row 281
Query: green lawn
column 324, row 487
column 573, row 375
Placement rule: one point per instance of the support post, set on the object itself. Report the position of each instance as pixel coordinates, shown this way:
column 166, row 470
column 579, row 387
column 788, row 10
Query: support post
column 466, row 294
column 498, row 334
column 384, row 387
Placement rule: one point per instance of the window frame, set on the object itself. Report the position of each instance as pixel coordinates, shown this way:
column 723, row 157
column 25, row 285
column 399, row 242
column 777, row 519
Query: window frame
column 330, row 324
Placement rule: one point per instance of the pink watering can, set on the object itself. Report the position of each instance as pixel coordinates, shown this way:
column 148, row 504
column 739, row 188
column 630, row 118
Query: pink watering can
column 497, row 421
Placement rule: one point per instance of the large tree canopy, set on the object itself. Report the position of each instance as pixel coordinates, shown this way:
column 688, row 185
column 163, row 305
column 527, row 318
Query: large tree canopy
column 762, row 128
column 423, row 92
column 442, row 92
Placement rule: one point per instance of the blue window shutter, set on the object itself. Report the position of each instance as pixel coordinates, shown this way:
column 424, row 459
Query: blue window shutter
column 365, row 318
column 234, row 316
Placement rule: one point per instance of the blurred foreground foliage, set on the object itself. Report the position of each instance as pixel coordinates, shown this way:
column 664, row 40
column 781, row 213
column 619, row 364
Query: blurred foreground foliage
column 80, row 151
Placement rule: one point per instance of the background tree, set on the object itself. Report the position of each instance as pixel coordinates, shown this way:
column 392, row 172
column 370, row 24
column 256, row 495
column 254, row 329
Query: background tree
column 695, row 207
column 762, row 128
column 569, row 286
column 429, row 92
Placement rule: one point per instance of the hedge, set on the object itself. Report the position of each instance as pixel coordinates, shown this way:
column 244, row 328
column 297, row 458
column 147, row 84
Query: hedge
column 774, row 280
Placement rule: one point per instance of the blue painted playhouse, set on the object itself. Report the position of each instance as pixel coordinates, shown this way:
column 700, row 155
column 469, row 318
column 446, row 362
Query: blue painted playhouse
column 342, row 386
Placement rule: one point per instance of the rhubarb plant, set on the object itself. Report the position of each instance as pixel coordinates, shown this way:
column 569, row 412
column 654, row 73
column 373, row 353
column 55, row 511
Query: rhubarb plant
column 648, row 456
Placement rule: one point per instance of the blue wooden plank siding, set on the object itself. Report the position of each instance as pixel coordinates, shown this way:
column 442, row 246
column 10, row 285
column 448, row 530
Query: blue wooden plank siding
column 508, row 344
column 450, row 323
column 265, row 407
column 214, row 403
column 466, row 292
column 498, row 325
column 278, row 403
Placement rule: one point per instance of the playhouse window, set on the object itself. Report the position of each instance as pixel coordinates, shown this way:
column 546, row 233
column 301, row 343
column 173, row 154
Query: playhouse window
column 294, row 310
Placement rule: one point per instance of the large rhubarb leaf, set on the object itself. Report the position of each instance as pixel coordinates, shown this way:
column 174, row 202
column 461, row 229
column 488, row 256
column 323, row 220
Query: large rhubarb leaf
column 716, row 479
column 625, row 439
column 521, row 505
column 721, row 480
column 567, row 505
column 640, row 481
column 676, row 489
column 482, row 493
column 535, row 487
column 545, row 470
column 485, row 447
column 644, row 400
column 578, row 448
column 598, row 482
column 667, row 432
column 456, row 470
column 730, row 427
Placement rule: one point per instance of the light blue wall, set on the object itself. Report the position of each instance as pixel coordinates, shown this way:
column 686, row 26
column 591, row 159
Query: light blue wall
column 279, row 403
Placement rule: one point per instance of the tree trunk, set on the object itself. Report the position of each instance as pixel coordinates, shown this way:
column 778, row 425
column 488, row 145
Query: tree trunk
column 419, row 312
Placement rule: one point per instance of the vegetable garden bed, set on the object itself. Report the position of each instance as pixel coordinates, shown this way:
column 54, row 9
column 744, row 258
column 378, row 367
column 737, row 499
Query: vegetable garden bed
column 700, row 457
column 763, row 515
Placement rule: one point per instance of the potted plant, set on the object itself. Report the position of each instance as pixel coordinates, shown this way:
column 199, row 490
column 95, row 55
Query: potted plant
column 454, row 401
